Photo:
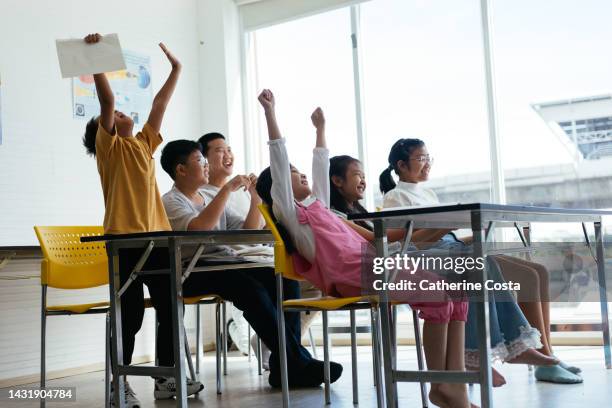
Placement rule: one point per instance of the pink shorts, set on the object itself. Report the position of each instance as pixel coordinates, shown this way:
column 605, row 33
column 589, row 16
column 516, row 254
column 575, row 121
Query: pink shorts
column 442, row 312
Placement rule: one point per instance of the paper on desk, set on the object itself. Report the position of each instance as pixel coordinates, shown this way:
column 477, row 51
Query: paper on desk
column 76, row 57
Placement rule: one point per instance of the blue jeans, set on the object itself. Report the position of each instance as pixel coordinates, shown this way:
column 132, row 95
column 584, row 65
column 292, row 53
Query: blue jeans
column 509, row 330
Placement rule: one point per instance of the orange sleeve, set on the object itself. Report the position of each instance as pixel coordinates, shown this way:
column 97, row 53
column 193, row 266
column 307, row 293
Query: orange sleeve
column 150, row 137
column 104, row 142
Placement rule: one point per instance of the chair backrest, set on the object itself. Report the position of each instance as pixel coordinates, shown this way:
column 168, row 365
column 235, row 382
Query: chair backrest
column 69, row 263
column 283, row 262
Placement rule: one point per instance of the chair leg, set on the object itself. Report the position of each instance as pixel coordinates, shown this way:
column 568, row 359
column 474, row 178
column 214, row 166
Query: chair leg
column 197, row 347
column 156, row 331
column 377, row 359
column 249, row 344
column 419, row 347
column 282, row 340
column 225, row 337
column 354, row 358
column 107, row 368
column 313, row 346
column 259, row 356
column 188, row 356
column 43, row 332
column 218, row 345
column 374, row 348
column 326, row 369
column 394, row 334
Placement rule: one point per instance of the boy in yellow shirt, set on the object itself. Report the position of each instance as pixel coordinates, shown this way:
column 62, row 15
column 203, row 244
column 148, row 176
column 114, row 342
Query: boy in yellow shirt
column 133, row 204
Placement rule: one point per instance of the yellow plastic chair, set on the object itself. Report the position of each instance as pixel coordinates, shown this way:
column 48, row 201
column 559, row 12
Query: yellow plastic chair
column 70, row 264
column 283, row 265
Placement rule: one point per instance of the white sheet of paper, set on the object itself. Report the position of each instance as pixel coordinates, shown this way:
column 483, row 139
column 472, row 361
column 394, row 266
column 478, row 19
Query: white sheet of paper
column 79, row 58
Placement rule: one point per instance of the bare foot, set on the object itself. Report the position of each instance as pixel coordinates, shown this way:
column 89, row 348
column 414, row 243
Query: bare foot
column 450, row 396
column 534, row 357
column 498, row 379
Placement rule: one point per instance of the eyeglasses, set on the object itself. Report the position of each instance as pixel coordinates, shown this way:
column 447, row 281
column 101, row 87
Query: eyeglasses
column 202, row 161
column 425, row 158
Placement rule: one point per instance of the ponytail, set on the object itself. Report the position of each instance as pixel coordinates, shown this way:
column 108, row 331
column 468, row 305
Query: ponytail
column 385, row 180
column 400, row 150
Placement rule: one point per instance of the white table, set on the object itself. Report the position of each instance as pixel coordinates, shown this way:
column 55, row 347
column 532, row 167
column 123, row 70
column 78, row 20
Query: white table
column 482, row 219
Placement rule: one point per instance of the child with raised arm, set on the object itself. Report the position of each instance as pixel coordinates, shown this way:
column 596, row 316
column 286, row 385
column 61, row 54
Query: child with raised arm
column 133, row 204
column 328, row 252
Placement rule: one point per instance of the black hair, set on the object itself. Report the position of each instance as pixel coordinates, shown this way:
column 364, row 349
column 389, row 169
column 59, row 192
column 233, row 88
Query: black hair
column 89, row 138
column 177, row 152
column 264, row 188
column 207, row 138
column 338, row 166
column 401, row 150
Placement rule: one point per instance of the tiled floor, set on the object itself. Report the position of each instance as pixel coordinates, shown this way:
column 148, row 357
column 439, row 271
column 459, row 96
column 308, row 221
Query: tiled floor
column 244, row 388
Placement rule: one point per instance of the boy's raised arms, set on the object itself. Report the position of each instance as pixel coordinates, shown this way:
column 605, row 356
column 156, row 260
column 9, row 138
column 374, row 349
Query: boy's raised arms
column 266, row 99
column 105, row 94
column 160, row 102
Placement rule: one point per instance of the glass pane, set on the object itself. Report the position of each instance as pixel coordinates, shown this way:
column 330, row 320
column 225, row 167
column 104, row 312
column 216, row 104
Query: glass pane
column 555, row 117
column 424, row 78
column 308, row 63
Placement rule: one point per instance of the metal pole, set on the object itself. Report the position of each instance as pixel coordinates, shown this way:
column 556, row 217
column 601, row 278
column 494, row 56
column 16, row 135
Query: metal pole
column 43, row 341
column 603, row 295
column 107, row 369
column 378, row 377
column 354, row 358
column 420, row 359
column 282, row 343
column 218, row 345
column 498, row 188
column 198, row 338
column 114, row 280
column 384, row 316
column 178, row 329
column 482, row 316
column 326, row 368
column 225, row 336
column 362, row 140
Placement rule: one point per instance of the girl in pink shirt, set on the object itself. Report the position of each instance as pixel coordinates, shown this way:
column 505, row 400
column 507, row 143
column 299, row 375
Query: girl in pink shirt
column 329, row 252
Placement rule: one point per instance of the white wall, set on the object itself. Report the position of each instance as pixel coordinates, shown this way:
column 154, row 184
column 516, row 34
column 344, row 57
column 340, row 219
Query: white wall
column 45, row 176
column 220, row 76
column 73, row 342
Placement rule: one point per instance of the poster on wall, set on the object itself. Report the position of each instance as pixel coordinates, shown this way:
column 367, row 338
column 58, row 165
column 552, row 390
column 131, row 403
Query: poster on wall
column 132, row 89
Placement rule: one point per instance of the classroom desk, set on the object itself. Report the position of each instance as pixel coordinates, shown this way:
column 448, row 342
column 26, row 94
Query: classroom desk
column 175, row 242
column 482, row 219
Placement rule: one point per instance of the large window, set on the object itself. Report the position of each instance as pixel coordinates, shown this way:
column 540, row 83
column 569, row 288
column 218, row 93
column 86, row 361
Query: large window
column 424, row 78
column 553, row 87
column 308, row 63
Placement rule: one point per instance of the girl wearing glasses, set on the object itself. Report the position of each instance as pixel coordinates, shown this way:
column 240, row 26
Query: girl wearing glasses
column 513, row 339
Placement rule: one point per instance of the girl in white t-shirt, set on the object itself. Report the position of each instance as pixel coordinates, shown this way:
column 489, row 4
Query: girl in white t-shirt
column 512, row 335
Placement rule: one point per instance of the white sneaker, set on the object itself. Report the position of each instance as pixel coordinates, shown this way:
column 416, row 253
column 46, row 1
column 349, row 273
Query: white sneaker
column 238, row 330
column 265, row 352
column 129, row 397
column 165, row 387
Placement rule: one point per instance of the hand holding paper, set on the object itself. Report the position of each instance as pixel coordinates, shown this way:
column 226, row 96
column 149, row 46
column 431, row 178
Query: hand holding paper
column 97, row 54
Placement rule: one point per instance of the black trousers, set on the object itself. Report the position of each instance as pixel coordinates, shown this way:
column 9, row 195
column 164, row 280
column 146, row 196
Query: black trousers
column 251, row 290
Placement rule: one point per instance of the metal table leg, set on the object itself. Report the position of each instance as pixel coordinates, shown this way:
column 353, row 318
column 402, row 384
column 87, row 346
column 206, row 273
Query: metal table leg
column 482, row 313
column 114, row 280
column 603, row 295
column 178, row 332
column 384, row 315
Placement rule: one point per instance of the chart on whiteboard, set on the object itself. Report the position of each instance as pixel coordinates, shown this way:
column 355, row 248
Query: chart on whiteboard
column 132, row 89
